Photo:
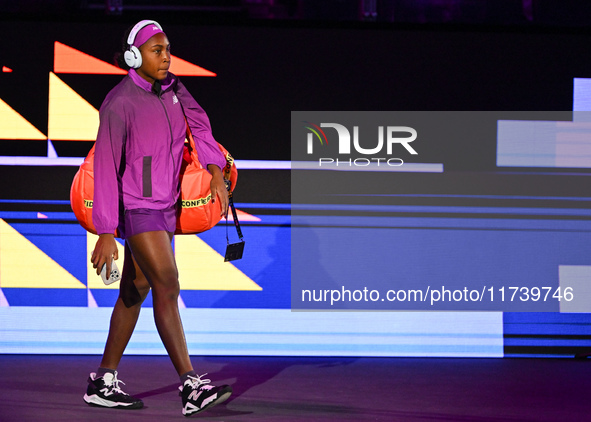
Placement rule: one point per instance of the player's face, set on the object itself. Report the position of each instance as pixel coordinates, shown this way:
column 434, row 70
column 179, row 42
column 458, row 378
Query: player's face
column 155, row 58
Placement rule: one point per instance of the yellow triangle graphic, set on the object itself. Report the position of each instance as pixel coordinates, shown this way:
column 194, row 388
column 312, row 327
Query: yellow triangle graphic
column 15, row 126
column 202, row 268
column 93, row 280
column 24, row 265
column 71, row 117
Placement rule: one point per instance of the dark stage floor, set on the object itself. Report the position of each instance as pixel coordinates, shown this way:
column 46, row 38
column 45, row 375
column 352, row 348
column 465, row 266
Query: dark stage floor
column 50, row 388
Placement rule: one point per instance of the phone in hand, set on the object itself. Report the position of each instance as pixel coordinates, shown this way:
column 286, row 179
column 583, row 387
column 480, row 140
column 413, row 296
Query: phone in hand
column 114, row 276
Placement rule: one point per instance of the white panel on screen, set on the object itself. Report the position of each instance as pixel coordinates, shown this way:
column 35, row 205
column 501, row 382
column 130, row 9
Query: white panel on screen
column 582, row 98
column 544, row 144
column 526, row 143
column 3, row 301
column 577, row 278
column 267, row 332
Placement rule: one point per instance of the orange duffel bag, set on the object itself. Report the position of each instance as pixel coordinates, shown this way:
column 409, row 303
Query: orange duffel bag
column 198, row 212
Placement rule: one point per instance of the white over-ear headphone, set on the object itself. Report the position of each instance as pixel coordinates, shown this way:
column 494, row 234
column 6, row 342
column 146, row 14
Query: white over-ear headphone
column 133, row 57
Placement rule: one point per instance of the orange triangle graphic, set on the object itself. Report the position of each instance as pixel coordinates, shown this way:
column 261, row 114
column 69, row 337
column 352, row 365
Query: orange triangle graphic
column 70, row 60
column 6, row 69
column 242, row 216
column 182, row 67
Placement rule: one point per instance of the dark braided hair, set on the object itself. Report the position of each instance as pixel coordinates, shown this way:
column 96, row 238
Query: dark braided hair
column 118, row 58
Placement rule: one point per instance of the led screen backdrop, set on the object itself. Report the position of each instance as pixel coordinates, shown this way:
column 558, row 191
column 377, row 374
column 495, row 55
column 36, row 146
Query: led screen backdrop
column 493, row 185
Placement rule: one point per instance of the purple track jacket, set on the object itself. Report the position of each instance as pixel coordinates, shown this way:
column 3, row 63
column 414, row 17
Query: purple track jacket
column 139, row 147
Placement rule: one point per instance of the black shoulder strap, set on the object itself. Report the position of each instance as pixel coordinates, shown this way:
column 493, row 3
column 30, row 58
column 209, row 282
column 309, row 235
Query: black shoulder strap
column 235, row 216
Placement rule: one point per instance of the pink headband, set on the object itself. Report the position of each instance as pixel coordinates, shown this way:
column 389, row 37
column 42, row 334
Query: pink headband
column 145, row 34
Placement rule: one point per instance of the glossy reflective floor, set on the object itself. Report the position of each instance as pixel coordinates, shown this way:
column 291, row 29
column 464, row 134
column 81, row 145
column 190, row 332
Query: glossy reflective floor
column 50, row 388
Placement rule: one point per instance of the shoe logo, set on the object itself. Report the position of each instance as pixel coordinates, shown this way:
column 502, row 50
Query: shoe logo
column 194, row 395
column 106, row 392
column 189, row 409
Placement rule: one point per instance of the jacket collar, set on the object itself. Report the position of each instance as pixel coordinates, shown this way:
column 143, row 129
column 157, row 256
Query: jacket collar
column 145, row 85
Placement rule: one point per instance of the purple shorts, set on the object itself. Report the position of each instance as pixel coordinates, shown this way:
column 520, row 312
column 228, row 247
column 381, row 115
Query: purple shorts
column 146, row 220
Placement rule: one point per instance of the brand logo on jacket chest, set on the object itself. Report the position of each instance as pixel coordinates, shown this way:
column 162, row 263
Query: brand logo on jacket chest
column 174, row 99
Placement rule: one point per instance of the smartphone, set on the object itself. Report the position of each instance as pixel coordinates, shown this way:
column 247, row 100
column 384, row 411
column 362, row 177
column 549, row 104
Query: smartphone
column 113, row 277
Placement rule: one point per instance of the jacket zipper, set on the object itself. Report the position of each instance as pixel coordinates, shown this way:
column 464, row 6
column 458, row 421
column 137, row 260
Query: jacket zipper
column 170, row 130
